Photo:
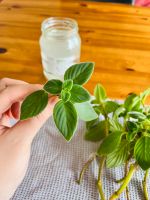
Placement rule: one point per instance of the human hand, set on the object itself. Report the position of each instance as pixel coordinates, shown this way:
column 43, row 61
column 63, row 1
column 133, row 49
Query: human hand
column 15, row 141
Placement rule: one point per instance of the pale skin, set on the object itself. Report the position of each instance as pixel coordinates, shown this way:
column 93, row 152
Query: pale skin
column 15, row 141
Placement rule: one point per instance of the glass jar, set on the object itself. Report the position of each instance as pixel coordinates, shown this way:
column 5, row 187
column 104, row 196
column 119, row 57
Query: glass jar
column 60, row 46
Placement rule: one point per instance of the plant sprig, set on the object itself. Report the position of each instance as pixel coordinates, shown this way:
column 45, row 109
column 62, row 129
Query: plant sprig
column 124, row 132
column 73, row 99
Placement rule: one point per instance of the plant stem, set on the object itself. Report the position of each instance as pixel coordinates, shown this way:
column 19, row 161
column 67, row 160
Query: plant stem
column 125, row 182
column 86, row 165
column 99, row 181
column 126, row 172
column 144, row 182
column 120, row 180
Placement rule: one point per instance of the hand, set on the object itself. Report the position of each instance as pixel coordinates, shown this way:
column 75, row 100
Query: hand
column 15, row 141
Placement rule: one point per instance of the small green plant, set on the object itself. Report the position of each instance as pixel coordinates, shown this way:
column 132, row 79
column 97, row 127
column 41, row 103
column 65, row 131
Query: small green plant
column 123, row 130
column 73, row 99
column 124, row 134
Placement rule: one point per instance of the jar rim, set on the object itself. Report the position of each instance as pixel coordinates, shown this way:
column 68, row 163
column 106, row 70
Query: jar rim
column 69, row 24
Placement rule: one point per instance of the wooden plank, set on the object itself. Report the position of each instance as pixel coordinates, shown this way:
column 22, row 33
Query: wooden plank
column 116, row 37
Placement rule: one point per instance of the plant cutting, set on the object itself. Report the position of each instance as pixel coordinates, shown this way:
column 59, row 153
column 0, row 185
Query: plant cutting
column 73, row 99
column 122, row 129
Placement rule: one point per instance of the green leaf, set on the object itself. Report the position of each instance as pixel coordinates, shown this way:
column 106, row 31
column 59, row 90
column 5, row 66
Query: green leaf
column 65, row 95
column 85, row 111
column 132, row 102
column 67, row 85
column 142, row 152
column 99, row 109
column 53, row 86
column 110, row 106
column 90, row 124
column 132, row 129
column 34, row 104
column 118, row 112
column 80, row 73
column 119, row 156
column 110, row 143
column 79, row 94
column 144, row 95
column 137, row 115
column 97, row 132
column 115, row 125
column 65, row 118
column 100, row 93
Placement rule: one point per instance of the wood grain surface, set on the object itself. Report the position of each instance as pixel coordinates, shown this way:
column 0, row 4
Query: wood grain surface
column 116, row 37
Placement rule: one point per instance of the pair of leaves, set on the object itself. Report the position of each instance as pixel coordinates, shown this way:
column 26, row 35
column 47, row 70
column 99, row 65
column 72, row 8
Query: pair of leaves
column 66, row 111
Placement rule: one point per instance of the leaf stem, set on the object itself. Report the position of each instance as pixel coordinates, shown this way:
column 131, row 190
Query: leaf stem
column 120, row 180
column 86, row 165
column 99, row 181
column 126, row 181
column 144, row 182
column 126, row 172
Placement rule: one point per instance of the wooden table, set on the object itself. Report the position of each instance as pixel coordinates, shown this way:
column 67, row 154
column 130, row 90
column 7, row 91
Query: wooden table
column 116, row 37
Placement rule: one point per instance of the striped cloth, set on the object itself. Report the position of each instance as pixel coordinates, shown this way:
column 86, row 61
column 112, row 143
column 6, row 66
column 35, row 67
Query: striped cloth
column 55, row 165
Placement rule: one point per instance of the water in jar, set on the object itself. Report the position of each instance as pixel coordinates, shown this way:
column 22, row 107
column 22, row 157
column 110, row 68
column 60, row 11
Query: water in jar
column 60, row 46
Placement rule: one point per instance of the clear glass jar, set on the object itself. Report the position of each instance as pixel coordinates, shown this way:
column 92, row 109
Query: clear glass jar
column 60, row 46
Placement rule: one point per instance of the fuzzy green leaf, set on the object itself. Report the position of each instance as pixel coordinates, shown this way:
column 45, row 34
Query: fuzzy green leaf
column 79, row 94
column 111, row 106
column 119, row 156
column 67, row 85
column 85, row 111
column 142, row 152
column 137, row 115
column 99, row 93
column 65, row 95
column 65, row 118
column 97, row 132
column 132, row 129
column 144, row 95
column 132, row 102
column 80, row 73
column 53, row 86
column 92, row 123
column 110, row 143
column 34, row 104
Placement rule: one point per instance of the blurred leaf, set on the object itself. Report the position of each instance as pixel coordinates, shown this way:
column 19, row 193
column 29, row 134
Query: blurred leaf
column 96, row 133
column 110, row 106
column 100, row 93
column 85, row 111
column 132, row 102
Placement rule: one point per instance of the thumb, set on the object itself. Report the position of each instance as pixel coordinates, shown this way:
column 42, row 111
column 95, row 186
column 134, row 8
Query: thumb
column 26, row 130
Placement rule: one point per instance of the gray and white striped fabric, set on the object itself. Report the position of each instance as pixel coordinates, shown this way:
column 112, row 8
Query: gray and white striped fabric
column 55, row 165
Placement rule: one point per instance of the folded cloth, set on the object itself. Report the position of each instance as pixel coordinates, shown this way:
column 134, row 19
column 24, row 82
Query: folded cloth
column 145, row 3
column 55, row 165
